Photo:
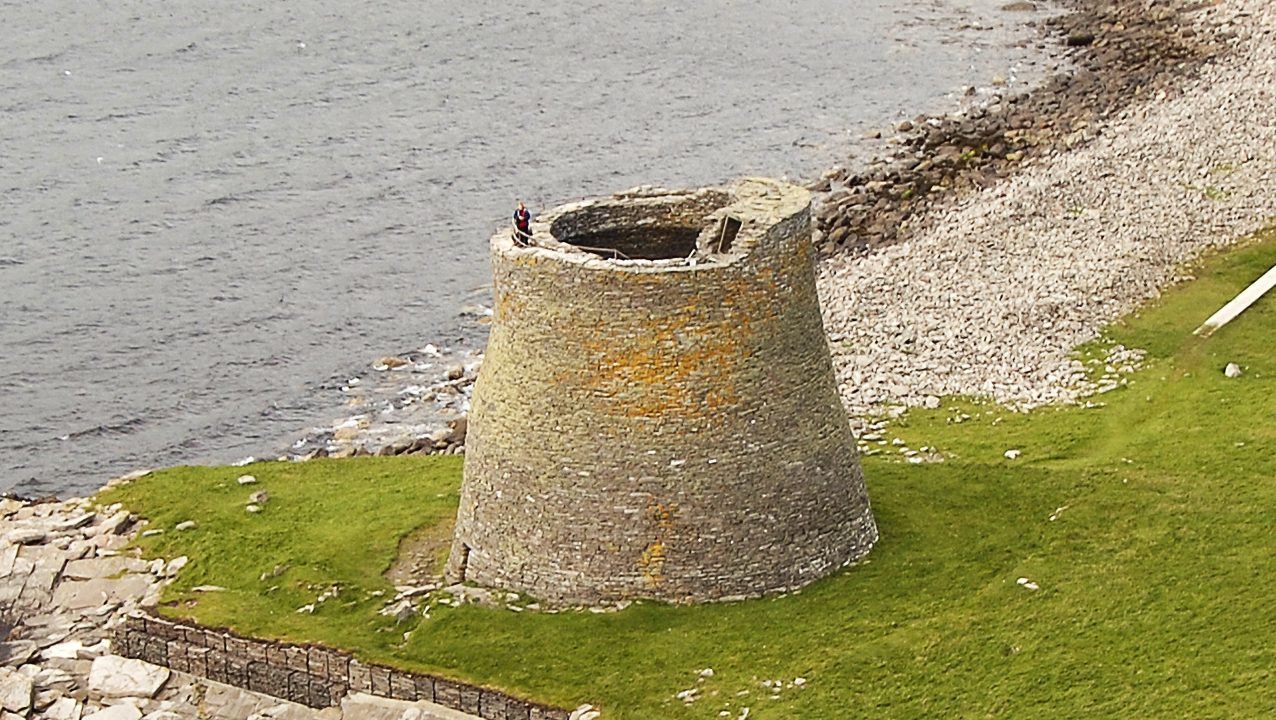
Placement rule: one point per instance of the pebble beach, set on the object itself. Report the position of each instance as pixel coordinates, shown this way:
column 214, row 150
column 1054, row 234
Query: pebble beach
column 991, row 298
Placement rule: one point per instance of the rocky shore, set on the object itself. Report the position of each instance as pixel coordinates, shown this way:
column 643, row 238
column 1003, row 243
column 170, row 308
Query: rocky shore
column 991, row 294
column 885, row 227
column 67, row 581
column 411, row 403
column 1115, row 55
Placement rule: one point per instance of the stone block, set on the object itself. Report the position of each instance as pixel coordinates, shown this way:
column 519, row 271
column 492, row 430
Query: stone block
column 197, row 661
column 298, row 687
column 176, row 651
column 360, row 677
column 447, row 693
column 470, row 699
column 155, row 651
column 296, row 657
column 215, row 666
column 491, row 705
column 380, row 680
column 517, row 709
column 402, row 686
column 276, row 655
column 424, row 687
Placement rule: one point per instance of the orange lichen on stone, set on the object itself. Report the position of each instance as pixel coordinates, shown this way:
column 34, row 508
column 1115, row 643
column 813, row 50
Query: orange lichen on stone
column 652, row 563
column 676, row 380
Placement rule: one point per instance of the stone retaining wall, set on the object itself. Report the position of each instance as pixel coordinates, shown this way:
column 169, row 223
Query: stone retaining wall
column 314, row 676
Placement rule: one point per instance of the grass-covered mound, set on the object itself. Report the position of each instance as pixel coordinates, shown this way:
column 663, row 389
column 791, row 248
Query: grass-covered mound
column 1149, row 525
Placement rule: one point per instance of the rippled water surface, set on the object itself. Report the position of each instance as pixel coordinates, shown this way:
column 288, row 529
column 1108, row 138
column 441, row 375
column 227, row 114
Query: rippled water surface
column 212, row 210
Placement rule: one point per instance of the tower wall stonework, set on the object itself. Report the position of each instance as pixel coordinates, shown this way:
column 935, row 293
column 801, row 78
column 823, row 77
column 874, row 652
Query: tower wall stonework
column 664, row 428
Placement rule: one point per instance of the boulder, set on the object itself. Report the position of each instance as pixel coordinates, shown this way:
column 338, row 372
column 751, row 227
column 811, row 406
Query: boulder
column 458, row 429
column 1233, row 370
column 68, row 650
column 82, row 595
column 115, row 676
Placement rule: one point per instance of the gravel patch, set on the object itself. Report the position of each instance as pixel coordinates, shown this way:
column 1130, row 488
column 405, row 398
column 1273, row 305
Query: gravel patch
column 992, row 297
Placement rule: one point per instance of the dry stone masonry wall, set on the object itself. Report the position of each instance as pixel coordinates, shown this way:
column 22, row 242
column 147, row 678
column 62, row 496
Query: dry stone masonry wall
column 660, row 420
column 308, row 675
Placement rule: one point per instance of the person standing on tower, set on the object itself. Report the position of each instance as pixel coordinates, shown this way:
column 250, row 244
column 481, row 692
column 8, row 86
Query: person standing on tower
column 522, row 224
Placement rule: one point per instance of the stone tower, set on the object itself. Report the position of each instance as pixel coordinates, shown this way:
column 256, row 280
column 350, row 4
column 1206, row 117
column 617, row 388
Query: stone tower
column 656, row 415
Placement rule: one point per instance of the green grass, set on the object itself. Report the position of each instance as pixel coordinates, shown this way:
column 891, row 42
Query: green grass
column 1156, row 580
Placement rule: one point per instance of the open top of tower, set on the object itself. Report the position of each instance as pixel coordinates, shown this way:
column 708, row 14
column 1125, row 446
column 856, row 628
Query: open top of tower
column 657, row 229
column 657, row 414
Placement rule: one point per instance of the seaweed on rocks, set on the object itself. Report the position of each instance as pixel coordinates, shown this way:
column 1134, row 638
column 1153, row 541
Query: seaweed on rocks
column 1114, row 53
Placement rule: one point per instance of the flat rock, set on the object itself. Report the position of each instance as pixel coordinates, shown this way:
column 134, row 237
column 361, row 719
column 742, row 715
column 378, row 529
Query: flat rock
column 115, row 676
column 117, row 523
column 26, row 536
column 8, row 555
column 76, row 521
column 65, row 708
column 104, row 567
column 17, row 691
column 69, row 650
column 17, row 652
column 116, row 712
column 360, row 706
column 226, row 701
column 82, row 595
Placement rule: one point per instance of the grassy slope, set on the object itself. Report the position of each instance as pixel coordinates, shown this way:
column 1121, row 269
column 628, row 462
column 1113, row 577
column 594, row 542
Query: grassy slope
column 1156, row 580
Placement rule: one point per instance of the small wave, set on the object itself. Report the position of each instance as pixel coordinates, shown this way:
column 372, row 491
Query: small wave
column 121, row 428
column 9, row 261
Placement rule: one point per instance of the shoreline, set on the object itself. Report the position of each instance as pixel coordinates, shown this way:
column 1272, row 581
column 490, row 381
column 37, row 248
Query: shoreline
column 992, row 294
column 1110, row 57
column 1142, row 217
column 1105, row 59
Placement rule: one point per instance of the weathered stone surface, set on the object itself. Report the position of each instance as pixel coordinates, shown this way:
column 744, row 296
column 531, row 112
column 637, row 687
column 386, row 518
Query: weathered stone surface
column 8, row 556
column 664, row 427
column 79, row 595
column 360, row 706
column 65, row 708
column 17, row 691
column 17, row 652
column 123, row 711
column 103, row 567
column 115, row 676
column 26, row 536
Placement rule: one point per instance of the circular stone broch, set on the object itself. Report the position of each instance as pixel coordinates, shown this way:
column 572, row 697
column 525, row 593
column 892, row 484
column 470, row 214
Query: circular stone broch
column 656, row 415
